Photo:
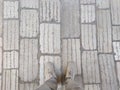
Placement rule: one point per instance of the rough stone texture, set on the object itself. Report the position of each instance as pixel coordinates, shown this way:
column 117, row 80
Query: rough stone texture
column 0, row 82
column 29, row 26
column 104, row 31
column 1, row 55
column 102, row 4
column 10, row 80
column 108, row 74
column 116, row 48
column 92, row 87
column 28, row 86
column 43, row 60
column 118, row 71
column 87, row 13
column 10, row 9
column 1, row 10
column 115, row 10
column 88, row 36
column 87, row 1
column 71, row 52
column 90, row 67
column 50, row 11
column 116, row 32
column 50, row 38
column 28, row 59
column 10, row 60
column 70, row 16
column 29, row 3
column 11, row 35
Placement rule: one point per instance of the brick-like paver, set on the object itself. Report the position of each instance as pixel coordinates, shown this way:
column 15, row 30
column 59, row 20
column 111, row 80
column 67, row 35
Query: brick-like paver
column 87, row 1
column 92, row 87
column 0, row 82
column 1, row 15
column 116, row 32
column 102, row 4
column 0, row 55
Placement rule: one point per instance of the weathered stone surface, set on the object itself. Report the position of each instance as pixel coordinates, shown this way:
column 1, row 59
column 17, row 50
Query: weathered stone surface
column 49, row 10
column 1, row 15
column 10, row 80
column 88, row 35
column 10, row 60
column 50, row 38
column 28, row 59
column 102, row 4
column 90, row 67
column 71, row 52
column 0, row 82
column 10, row 9
column 1, row 55
column 108, row 74
column 118, row 71
column 29, row 3
column 92, row 87
column 104, row 31
column 11, row 35
column 70, row 16
column 116, row 48
column 29, row 26
column 28, row 86
column 43, row 60
column 87, row 1
column 116, row 32
column 115, row 10
column 87, row 13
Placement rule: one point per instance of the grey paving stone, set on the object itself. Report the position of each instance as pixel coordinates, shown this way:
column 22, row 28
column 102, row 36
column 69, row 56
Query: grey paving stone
column 92, row 87
column 29, row 26
column 115, row 10
column 28, row 69
column 10, row 60
column 1, row 60
column 88, row 36
column 10, row 9
column 10, row 80
column 108, row 74
column 116, row 32
column 116, row 49
column 70, row 18
column 1, row 15
column 43, row 60
column 49, row 10
column 50, row 38
column 87, row 1
column 104, row 31
column 28, row 86
column 11, row 35
column 90, row 67
column 118, row 71
column 0, row 81
column 71, row 52
column 29, row 3
column 87, row 13
column 102, row 4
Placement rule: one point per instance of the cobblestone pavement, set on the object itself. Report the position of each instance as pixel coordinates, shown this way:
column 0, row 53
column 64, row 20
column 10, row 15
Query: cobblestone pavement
column 33, row 32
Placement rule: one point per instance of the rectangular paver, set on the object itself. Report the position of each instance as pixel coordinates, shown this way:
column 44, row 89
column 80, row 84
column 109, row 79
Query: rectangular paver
column 43, row 60
column 50, row 11
column 70, row 18
column 87, row 13
column 0, row 81
column 115, row 11
column 28, row 86
column 88, row 36
column 92, row 87
column 28, row 59
column 50, row 38
column 10, row 80
column 104, row 31
column 118, row 71
column 10, row 60
column 90, row 67
column 1, row 60
column 29, row 26
column 108, row 74
column 103, row 4
column 10, row 9
column 11, row 35
column 71, row 52
column 87, row 1
column 29, row 3
column 1, row 15
column 116, row 49
column 116, row 32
